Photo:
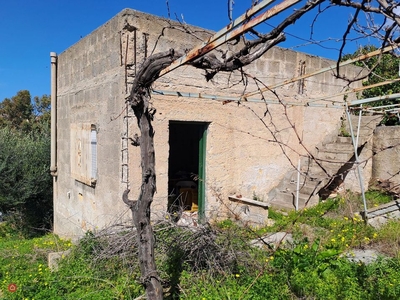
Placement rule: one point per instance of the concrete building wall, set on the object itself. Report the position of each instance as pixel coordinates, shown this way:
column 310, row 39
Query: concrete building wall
column 90, row 91
column 249, row 146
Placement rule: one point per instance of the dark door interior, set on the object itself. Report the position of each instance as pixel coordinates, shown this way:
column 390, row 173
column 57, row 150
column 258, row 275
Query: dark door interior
column 186, row 166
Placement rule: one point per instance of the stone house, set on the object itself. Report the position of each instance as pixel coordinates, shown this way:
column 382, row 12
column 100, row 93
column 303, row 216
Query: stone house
column 207, row 147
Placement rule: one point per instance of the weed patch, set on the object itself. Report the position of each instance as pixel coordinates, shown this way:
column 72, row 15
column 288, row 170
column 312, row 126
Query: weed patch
column 213, row 261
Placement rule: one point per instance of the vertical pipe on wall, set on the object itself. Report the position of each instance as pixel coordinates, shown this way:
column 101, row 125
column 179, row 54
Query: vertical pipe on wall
column 53, row 163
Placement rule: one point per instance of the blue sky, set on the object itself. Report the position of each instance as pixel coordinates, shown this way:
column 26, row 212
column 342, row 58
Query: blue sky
column 31, row 29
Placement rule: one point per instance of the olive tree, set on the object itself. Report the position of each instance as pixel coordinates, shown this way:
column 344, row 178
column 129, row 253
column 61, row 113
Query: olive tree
column 25, row 183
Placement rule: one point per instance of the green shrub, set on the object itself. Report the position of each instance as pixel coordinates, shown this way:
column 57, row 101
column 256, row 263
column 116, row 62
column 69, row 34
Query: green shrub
column 25, row 181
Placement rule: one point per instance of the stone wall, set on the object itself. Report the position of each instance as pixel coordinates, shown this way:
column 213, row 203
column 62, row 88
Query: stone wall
column 249, row 146
column 386, row 150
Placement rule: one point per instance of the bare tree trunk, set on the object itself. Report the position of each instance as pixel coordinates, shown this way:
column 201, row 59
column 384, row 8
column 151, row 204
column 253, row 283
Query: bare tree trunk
column 143, row 226
column 141, row 208
column 140, row 103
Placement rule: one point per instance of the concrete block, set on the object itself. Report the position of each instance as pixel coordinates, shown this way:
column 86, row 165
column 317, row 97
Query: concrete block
column 53, row 259
column 275, row 240
column 248, row 211
column 367, row 256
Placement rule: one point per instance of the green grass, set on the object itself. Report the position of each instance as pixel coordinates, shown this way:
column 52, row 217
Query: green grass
column 216, row 263
column 23, row 262
column 375, row 198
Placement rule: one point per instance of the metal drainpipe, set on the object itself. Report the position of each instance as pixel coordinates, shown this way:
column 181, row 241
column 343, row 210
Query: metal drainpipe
column 53, row 165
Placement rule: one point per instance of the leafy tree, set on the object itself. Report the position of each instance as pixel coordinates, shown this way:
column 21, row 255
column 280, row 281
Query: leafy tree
column 383, row 67
column 17, row 112
column 25, row 181
column 41, row 109
column 21, row 113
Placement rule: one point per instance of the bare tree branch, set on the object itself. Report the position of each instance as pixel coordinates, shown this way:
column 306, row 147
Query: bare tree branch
column 249, row 52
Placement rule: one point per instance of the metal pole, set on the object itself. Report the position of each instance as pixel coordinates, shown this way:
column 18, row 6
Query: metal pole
column 358, row 164
column 228, row 99
column 231, row 32
column 354, row 90
column 332, row 67
column 298, row 187
column 359, row 124
column 373, row 99
column 382, row 107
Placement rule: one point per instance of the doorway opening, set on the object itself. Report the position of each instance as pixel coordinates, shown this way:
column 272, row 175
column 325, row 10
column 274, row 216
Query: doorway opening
column 186, row 167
